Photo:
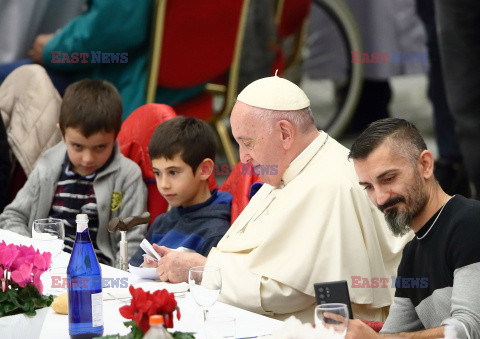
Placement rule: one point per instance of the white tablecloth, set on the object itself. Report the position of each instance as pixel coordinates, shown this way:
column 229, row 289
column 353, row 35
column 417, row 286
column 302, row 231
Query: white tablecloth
column 248, row 324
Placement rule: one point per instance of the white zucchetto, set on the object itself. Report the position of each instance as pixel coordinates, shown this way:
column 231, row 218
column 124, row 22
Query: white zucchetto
column 274, row 93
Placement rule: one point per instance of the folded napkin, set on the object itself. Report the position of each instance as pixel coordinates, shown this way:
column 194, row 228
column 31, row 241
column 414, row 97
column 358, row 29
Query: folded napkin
column 115, row 293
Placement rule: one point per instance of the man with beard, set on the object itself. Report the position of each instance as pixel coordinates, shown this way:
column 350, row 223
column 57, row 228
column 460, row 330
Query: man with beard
column 396, row 170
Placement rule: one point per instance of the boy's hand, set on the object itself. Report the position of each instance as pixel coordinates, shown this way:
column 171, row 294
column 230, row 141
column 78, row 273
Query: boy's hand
column 174, row 265
column 36, row 52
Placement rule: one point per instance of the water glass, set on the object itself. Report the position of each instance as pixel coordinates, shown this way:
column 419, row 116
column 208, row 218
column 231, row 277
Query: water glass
column 49, row 235
column 205, row 285
column 332, row 317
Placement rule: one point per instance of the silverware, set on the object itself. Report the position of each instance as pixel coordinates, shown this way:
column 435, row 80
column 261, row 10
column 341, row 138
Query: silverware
column 120, row 299
column 179, row 294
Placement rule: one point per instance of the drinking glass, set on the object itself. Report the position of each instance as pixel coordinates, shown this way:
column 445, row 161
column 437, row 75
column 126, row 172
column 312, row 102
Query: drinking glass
column 49, row 235
column 332, row 317
column 205, row 285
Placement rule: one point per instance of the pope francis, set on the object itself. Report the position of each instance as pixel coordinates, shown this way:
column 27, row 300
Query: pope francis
column 310, row 222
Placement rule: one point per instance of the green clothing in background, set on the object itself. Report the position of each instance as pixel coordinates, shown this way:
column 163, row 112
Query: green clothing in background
column 112, row 26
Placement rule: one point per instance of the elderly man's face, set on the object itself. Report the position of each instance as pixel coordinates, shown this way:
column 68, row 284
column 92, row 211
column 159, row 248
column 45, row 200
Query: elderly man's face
column 394, row 186
column 259, row 144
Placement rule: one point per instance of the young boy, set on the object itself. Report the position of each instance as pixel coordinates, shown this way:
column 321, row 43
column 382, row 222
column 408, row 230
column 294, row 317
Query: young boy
column 182, row 151
column 85, row 173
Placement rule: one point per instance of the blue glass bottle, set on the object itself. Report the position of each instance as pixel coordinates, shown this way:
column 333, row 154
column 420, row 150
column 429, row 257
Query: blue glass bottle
column 85, row 308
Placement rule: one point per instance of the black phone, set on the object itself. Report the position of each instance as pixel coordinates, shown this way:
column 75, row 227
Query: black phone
column 333, row 292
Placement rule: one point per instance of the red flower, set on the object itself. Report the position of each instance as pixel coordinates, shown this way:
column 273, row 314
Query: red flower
column 145, row 304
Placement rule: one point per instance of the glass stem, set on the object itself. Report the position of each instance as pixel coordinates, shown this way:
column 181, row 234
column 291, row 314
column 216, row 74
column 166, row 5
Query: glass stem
column 205, row 314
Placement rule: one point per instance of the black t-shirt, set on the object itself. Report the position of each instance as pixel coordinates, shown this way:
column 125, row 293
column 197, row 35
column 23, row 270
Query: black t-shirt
column 453, row 242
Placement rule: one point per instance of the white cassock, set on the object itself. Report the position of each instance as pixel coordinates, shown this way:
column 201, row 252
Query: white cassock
column 318, row 225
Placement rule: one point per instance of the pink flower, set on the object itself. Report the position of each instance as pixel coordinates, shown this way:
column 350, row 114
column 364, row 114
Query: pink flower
column 36, row 279
column 1, row 278
column 22, row 275
column 42, row 261
column 8, row 254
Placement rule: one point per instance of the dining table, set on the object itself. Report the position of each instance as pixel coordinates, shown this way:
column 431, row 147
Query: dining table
column 116, row 294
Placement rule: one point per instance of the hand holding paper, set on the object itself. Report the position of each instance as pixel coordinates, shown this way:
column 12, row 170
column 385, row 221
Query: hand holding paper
column 148, row 248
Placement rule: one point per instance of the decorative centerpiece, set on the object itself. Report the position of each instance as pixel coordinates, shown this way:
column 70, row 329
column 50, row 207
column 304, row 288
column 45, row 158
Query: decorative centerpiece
column 143, row 305
column 22, row 306
column 20, row 270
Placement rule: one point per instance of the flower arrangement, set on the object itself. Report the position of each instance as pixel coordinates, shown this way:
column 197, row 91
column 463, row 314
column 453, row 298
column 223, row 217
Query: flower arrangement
column 20, row 270
column 143, row 305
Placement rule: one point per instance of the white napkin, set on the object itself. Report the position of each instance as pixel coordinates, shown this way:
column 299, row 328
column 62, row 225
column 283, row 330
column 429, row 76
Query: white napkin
column 115, row 293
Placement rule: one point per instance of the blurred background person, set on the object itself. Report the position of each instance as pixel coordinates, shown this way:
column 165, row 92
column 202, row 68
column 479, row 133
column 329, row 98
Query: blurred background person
column 385, row 27
column 449, row 167
column 459, row 37
column 107, row 26
column 21, row 21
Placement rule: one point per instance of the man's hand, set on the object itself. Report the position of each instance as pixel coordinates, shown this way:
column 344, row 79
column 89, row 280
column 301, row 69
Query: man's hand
column 36, row 52
column 148, row 263
column 174, row 266
column 357, row 329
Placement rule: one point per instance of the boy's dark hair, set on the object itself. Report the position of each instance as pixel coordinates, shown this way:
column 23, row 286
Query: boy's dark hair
column 190, row 137
column 404, row 136
column 91, row 106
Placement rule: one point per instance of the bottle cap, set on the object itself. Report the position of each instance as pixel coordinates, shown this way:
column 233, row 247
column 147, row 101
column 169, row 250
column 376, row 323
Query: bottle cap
column 156, row 319
column 81, row 217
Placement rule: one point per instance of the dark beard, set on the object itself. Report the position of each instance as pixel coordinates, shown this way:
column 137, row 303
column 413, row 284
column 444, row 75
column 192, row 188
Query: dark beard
column 415, row 201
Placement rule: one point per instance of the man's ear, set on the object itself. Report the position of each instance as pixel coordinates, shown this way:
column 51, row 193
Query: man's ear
column 205, row 168
column 425, row 164
column 287, row 130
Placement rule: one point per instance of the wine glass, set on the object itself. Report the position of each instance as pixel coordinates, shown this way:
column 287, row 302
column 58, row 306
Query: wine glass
column 333, row 318
column 205, row 285
column 49, row 235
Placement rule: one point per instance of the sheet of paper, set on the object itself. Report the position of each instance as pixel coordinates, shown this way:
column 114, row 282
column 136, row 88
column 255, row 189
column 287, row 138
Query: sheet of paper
column 148, row 248
column 144, row 272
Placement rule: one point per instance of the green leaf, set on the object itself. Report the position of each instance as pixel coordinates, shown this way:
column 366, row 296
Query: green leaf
column 23, row 300
column 136, row 332
column 183, row 335
column 9, row 308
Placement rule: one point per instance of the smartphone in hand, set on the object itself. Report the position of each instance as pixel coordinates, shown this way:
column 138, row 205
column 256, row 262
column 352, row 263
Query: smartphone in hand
column 333, row 292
